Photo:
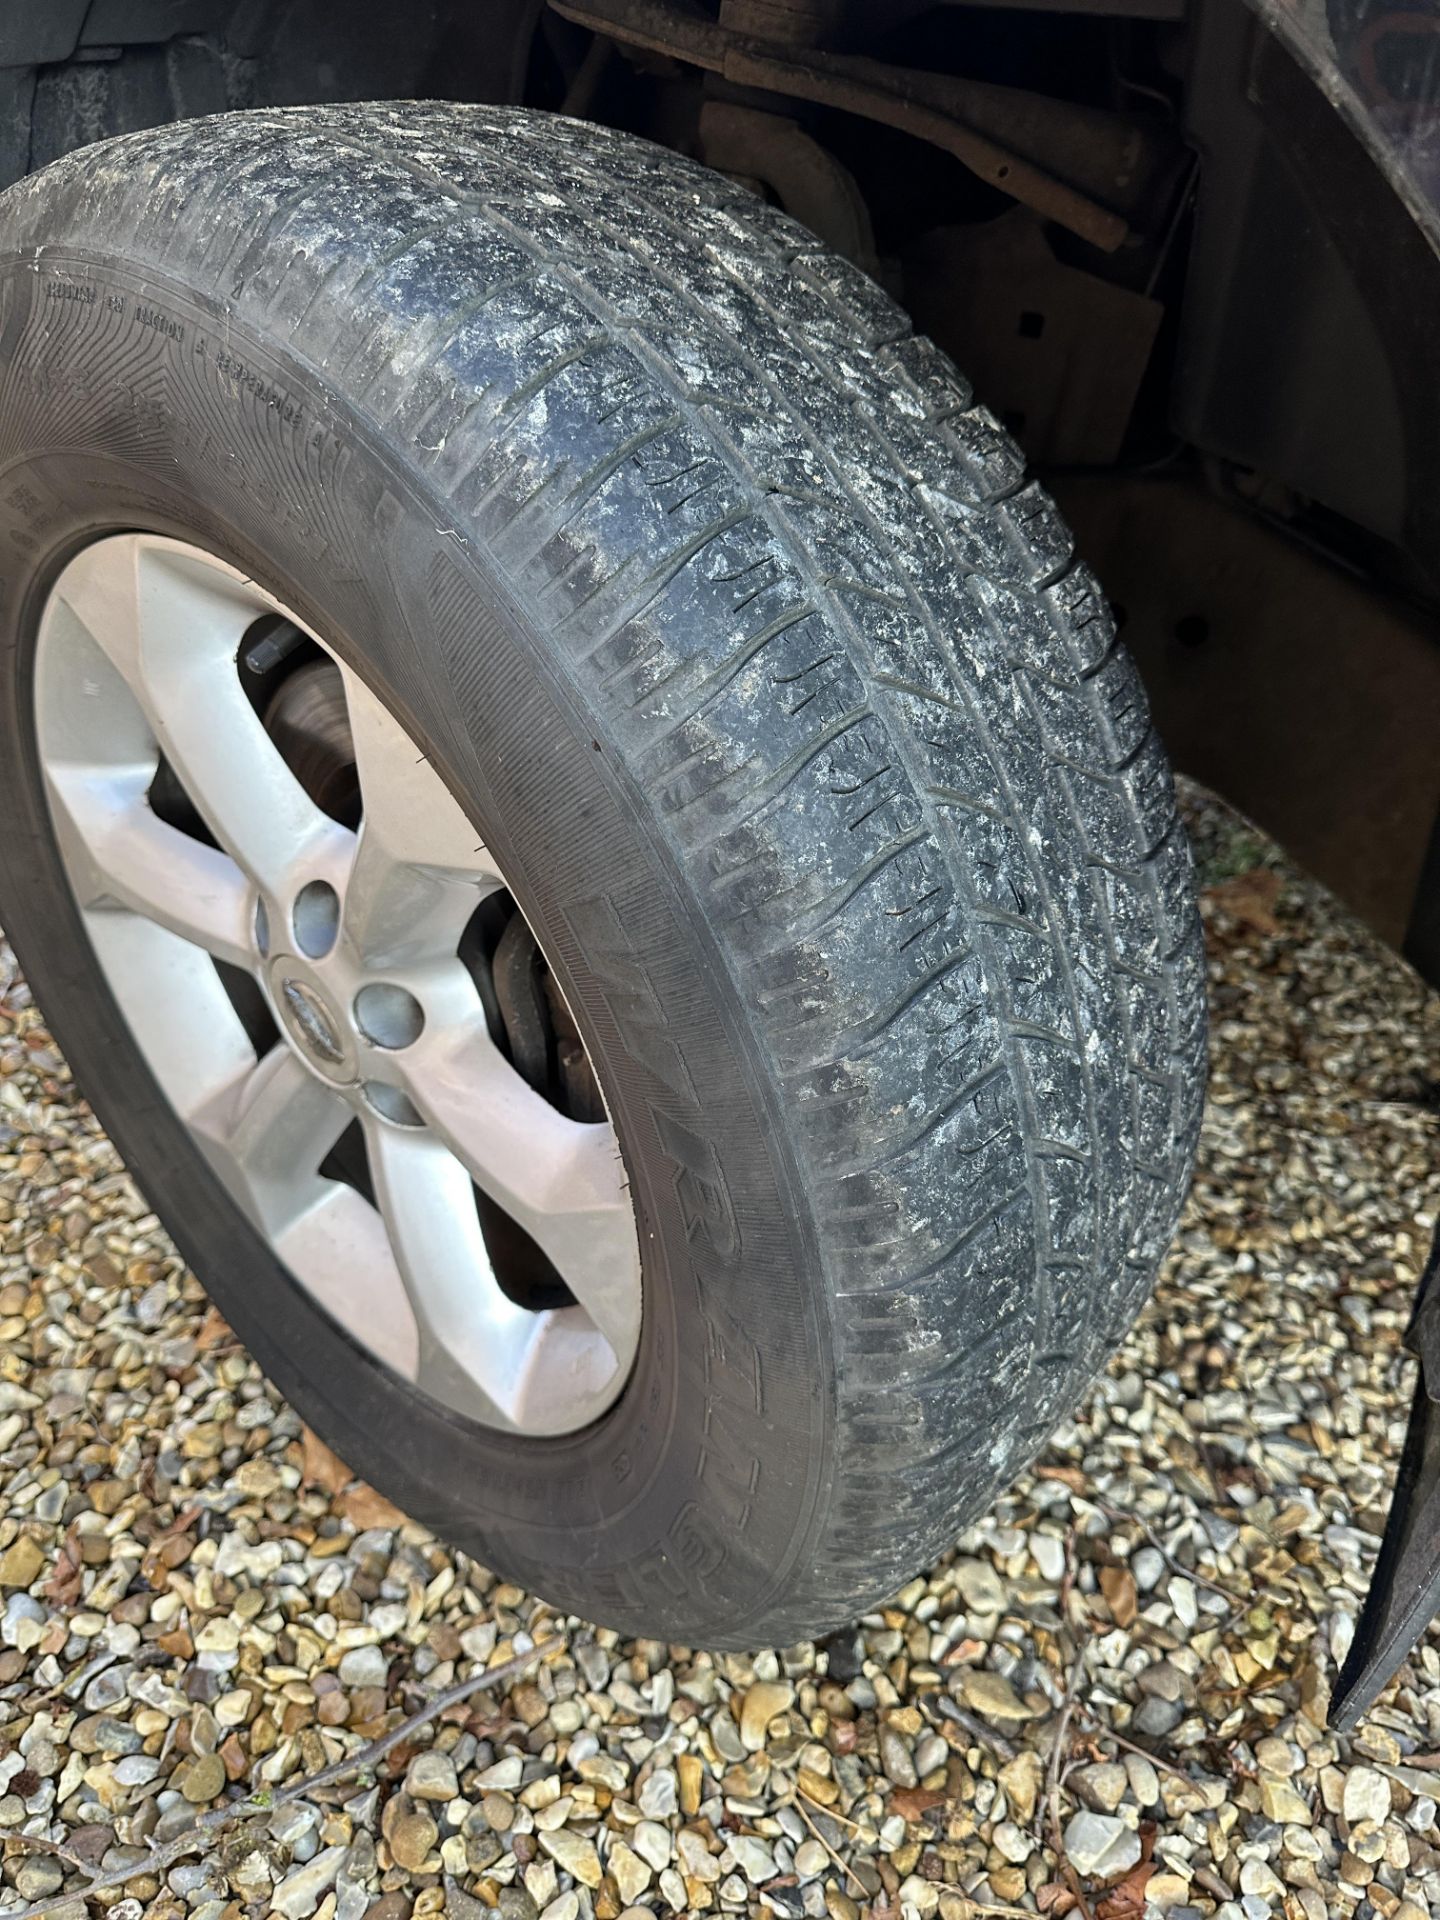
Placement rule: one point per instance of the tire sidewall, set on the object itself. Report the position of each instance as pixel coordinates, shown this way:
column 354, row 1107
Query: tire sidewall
column 132, row 402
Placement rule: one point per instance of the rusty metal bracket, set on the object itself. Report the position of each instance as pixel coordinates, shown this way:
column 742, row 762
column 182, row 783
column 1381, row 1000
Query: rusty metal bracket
column 808, row 181
column 932, row 107
column 1404, row 1594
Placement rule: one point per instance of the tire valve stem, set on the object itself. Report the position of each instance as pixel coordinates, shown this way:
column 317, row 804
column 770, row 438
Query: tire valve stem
column 268, row 648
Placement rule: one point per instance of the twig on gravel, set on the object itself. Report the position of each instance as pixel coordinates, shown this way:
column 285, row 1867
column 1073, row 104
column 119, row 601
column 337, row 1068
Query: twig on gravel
column 1052, row 1786
column 984, row 1907
column 39, row 1844
column 1189, row 1573
column 160, row 1859
column 977, row 1729
column 830, row 1814
column 843, row 1865
column 1067, row 1584
column 1122, row 1740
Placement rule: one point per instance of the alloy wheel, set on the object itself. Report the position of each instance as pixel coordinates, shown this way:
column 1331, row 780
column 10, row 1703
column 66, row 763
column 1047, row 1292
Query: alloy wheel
column 308, row 989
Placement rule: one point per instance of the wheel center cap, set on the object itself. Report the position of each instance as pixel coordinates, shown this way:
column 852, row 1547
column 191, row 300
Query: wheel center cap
column 310, row 1021
column 317, row 1032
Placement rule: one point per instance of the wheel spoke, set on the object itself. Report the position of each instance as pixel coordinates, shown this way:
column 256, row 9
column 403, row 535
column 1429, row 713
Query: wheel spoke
column 420, row 867
column 171, row 626
column 562, row 1180
column 341, row 1247
column 267, row 1134
column 120, row 854
column 471, row 1338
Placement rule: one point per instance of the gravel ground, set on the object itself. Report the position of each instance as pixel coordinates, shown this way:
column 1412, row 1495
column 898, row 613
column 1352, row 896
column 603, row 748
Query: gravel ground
column 1112, row 1692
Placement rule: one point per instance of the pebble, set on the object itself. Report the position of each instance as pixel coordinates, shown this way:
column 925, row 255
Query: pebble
column 1020, row 1777
column 302, row 1890
column 981, row 1587
column 1012, row 1841
column 1102, row 1787
column 993, row 1695
column 1049, row 1553
column 203, row 1779
column 575, row 1854
column 652, row 1842
column 411, row 1831
column 763, row 1701
column 1367, row 1796
column 1280, row 1801
column 1147, row 1568
column 363, row 1667
column 1156, row 1717
column 1182, row 1598
column 1098, row 1845
column 753, row 1857
column 38, row 1876
column 896, row 1759
column 1144, row 1780
column 810, row 1859
column 431, row 1776
column 1259, row 1878
column 659, row 1797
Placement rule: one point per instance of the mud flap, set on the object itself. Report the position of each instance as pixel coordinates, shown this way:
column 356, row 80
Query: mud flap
column 1404, row 1591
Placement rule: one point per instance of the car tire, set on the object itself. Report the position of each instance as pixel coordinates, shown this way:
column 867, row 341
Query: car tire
column 808, row 750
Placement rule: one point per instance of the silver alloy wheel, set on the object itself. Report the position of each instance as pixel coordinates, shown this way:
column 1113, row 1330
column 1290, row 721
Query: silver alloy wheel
column 353, row 938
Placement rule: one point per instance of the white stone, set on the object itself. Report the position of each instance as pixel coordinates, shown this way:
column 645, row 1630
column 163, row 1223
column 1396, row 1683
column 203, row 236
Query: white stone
column 1182, row 1598
column 1147, row 1568
column 1049, row 1553
column 658, row 1797
column 1099, row 1844
column 302, row 1890
column 632, row 1876
column 1259, row 1877
column 363, row 1667
column 752, row 1856
column 1367, row 1796
column 1013, row 1842
column 652, row 1842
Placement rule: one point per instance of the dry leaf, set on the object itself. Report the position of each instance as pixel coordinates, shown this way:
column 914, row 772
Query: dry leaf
column 1126, row 1899
column 911, row 1803
column 64, row 1586
column 1250, row 898
column 1055, row 1897
column 90, row 1842
column 1118, row 1587
column 319, row 1467
column 364, row 1508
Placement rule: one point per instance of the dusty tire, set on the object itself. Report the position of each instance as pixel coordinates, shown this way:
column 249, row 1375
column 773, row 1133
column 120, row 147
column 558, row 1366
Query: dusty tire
column 827, row 787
